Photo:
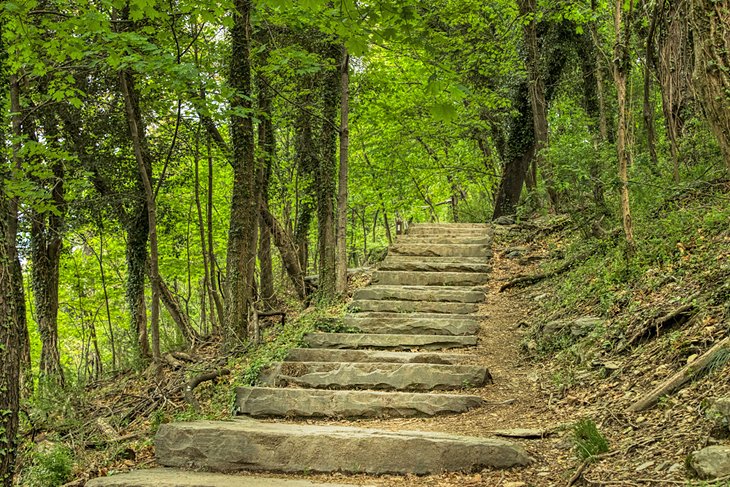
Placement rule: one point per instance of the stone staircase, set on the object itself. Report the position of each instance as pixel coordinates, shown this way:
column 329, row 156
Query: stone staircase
column 423, row 301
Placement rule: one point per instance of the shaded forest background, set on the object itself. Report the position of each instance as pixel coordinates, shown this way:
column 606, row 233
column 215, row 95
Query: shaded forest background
column 172, row 170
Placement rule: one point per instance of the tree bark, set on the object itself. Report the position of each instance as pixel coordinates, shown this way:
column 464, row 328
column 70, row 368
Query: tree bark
column 343, row 174
column 621, row 69
column 325, row 181
column 711, row 28
column 288, row 252
column 243, row 229
column 648, row 109
column 46, row 241
column 136, row 130
column 267, row 141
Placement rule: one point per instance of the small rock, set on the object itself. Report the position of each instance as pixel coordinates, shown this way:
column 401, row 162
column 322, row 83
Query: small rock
column 540, row 297
column 505, row 220
column 583, row 326
column 721, row 406
column 645, row 465
column 676, row 467
column 711, row 462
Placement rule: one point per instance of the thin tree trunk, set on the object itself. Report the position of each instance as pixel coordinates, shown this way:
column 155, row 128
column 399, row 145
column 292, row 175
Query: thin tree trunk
column 217, row 297
column 207, row 286
column 342, row 178
column 267, row 150
column 243, row 229
column 100, row 258
column 621, row 69
column 137, row 134
column 648, row 109
column 288, row 252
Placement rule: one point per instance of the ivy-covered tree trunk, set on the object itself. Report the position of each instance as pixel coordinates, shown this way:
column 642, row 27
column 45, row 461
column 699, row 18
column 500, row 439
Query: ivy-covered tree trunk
column 306, row 166
column 325, row 180
column 245, row 203
column 10, row 343
column 343, row 174
column 518, row 154
column 621, row 70
column 136, row 130
column 267, row 146
column 711, row 28
column 46, row 241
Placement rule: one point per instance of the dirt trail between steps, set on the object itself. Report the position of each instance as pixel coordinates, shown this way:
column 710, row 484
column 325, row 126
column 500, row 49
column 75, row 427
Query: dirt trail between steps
column 520, row 397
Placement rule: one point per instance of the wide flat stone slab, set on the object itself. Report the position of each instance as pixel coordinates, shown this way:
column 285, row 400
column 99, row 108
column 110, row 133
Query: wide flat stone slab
column 227, row 446
column 394, row 278
column 388, row 342
column 440, row 250
column 167, row 477
column 413, row 306
column 343, row 355
column 421, row 293
column 404, row 324
column 442, row 230
column 380, row 376
column 431, row 264
column 312, row 403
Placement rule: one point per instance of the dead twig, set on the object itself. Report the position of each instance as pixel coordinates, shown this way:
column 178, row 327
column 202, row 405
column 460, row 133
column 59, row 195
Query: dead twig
column 196, row 381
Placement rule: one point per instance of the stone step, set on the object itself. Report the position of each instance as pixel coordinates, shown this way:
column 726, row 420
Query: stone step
column 309, row 403
column 430, row 264
column 431, row 230
column 344, row 355
column 435, row 250
column 400, row 323
column 381, row 376
column 394, row 278
column 413, row 306
column 444, row 239
column 421, row 293
column 388, row 341
column 167, row 477
column 253, row 445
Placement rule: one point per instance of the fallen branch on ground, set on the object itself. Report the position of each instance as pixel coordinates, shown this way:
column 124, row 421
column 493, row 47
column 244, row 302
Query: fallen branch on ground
column 523, row 281
column 680, row 378
column 196, row 381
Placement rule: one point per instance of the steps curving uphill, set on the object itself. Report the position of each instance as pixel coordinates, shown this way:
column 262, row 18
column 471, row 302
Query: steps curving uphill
column 423, row 303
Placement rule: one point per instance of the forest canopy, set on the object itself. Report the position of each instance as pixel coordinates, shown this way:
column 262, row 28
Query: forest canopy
column 172, row 169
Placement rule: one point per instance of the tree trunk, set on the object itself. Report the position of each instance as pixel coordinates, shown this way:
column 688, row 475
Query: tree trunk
column 537, row 98
column 26, row 371
column 267, row 150
column 711, row 28
column 46, row 240
column 648, row 108
column 243, row 229
column 11, row 345
column 207, row 287
column 325, row 182
column 137, row 132
column 342, row 179
column 621, row 70
column 288, row 252
column 217, row 299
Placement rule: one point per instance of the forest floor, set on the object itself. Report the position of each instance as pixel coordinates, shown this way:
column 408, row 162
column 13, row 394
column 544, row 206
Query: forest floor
column 537, row 388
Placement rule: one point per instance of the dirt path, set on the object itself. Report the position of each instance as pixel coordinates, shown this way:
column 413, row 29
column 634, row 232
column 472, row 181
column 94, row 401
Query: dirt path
column 520, row 397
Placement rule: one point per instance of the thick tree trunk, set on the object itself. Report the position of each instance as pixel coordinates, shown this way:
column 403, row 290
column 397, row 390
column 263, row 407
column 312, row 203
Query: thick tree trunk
column 20, row 318
column 245, row 204
column 46, row 240
column 519, row 152
column 711, row 28
column 10, row 334
column 342, row 179
column 537, row 99
column 621, row 70
column 325, row 181
column 137, row 228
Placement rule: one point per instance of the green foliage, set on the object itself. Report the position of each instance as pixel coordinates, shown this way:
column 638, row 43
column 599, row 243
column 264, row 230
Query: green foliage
column 51, row 466
column 588, row 441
